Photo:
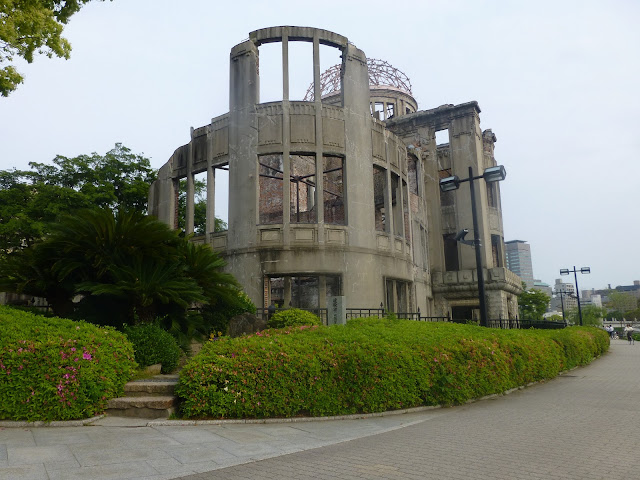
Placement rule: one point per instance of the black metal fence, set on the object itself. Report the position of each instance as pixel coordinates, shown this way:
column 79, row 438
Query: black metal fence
column 523, row 323
column 504, row 323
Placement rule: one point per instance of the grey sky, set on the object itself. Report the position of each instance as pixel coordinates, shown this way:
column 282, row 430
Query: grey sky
column 557, row 82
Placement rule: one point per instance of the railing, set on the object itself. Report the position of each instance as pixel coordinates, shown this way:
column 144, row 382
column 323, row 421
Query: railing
column 523, row 323
column 364, row 312
column 358, row 313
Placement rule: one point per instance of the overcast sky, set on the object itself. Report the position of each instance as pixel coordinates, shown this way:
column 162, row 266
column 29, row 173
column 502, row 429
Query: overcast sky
column 557, row 82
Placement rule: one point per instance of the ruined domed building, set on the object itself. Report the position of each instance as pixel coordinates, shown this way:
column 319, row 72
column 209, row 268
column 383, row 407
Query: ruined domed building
column 338, row 194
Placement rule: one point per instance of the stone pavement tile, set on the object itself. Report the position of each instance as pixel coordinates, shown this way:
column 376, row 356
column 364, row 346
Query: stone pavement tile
column 3, row 453
column 23, row 472
column 96, row 454
column 243, row 433
column 62, row 435
column 39, row 455
column 254, row 450
column 16, row 437
column 116, row 471
column 169, row 465
column 146, row 437
column 197, row 453
column 190, row 434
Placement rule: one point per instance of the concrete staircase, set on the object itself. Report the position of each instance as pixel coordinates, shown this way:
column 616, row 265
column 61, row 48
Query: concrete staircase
column 149, row 398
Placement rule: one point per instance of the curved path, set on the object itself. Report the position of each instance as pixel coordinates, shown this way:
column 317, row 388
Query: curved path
column 582, row 425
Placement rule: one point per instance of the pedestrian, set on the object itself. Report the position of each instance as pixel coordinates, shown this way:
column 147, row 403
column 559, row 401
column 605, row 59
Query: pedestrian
column 629, row 331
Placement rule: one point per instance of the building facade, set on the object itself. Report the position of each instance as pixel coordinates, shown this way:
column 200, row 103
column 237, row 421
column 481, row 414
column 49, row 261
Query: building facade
column 337, row 195
column 518, row 254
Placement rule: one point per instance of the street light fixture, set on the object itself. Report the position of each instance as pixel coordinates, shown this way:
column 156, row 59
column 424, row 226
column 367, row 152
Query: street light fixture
column 566, row 271
column 491, row 174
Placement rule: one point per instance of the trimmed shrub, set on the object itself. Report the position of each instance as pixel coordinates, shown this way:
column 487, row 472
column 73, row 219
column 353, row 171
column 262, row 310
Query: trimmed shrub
column 373, row 365
column 293, row 317
column 217, row 315
column 57, row 369
column 152, row 345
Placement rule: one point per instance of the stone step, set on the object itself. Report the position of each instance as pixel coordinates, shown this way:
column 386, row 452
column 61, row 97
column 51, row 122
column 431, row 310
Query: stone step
column 150, row 387
column 142, row 407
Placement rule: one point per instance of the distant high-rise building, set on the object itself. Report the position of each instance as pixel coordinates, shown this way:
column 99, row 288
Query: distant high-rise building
column 518, row 255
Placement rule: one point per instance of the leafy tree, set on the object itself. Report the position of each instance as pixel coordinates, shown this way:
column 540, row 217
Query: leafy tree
column 622, row 302
column 32, row 200
column 533, row 303
column 28, row 27
column 199, row 209
column 591, row 315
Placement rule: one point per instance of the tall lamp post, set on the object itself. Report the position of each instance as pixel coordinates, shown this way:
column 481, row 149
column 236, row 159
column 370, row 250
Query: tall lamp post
column 491, row 174
column 561, row 293
column 566, row 271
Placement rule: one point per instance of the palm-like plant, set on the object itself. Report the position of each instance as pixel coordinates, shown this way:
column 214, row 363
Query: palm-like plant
column 145, row 284
column 90, row 243
column 126, row 267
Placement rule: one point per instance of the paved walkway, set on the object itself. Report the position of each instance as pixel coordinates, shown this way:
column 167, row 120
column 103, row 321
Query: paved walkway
column 582, row 425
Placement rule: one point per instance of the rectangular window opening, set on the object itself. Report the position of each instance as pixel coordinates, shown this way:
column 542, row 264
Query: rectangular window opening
column 270, row 203
column 412, row 173
column 303, row 189
column 405, row 212
column 496, row 250
column 379, row 194
column 222, row 199
column 300, row 69
column 200, row 203
column 333, row 194
column 396, row 203
column 451, row 261
column 331, row 58
column 270, row 72
column 378, row 110
column 442, row 137
column 389, row 111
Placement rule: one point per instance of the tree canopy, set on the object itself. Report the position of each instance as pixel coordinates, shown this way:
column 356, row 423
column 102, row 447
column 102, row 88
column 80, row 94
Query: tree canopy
column 199, row 209
column 30, row 200
column 591, row 315
column 533, row 304
column 29, row 27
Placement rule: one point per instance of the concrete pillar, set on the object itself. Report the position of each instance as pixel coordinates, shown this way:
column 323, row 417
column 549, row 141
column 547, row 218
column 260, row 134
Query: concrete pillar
column 322, row 291
column 287, row 292
column 211, row 200
column 162, row 196
column 355, row 94
column 317, row 97
column 286, row 136
column 189, row 220
column 243, row 140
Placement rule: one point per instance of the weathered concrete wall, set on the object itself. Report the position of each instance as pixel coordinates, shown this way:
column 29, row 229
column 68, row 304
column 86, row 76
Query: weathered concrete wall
column 292, row 217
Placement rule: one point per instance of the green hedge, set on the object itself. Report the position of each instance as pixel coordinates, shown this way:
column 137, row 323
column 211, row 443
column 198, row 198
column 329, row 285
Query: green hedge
column 373, row 365
column 293, row 317
column 152, row 345
column 58, row 369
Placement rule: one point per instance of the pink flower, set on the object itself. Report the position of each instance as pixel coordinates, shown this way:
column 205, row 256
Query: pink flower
column 86, row 356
